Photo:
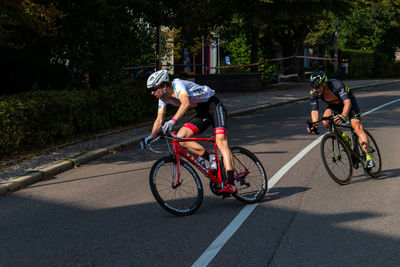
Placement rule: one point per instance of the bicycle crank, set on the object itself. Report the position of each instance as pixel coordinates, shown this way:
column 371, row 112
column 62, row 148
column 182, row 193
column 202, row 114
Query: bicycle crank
column 175, row 186
column 241, row 178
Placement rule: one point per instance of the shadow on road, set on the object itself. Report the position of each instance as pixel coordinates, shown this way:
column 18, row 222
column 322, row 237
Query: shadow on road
column 45, row 233
column 283, row 192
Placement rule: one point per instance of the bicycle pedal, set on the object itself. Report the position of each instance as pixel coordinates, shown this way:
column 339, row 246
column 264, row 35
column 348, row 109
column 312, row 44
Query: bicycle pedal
column 244, row 183
column 226, row 195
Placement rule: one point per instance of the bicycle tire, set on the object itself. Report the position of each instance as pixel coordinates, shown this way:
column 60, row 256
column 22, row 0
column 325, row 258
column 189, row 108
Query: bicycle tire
column 331, row 161
column 374, row 172
column 183, row 200
column 250, row 177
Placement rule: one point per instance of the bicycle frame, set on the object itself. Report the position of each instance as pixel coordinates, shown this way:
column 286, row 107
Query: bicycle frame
column 178, row 151
column 217, row 179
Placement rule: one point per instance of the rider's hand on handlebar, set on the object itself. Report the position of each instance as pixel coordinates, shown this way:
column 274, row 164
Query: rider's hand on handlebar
column 339, row 119
column 167, row 127
column 312, row 127
column 145, row 142
column 312, row 130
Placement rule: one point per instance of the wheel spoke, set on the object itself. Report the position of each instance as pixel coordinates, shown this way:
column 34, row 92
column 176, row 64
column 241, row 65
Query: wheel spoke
column 336, row 159
column 184, row 198
column 376, row 156
column 253, row 188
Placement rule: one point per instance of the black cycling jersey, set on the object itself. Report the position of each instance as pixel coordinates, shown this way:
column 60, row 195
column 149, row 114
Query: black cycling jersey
column 342, row 92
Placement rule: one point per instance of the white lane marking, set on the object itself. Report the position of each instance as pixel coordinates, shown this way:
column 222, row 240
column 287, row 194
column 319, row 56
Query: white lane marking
column 221, row 240
column 292, row 162
column 375, row 109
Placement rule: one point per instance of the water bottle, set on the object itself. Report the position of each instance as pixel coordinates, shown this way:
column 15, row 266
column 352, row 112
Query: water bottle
column 347, row 139
column 202, row 161
column 213, row 162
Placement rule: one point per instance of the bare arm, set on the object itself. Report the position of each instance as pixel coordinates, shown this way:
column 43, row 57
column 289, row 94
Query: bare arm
column 157, row 124
column 185, row 105
column 314, row 115
column 346, row 108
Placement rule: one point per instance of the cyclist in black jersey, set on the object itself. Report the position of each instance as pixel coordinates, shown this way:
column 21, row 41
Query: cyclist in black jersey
column 341, row 102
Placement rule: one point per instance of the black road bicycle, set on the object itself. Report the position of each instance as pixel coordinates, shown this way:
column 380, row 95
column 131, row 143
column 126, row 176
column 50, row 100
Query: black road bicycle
column 340, row 156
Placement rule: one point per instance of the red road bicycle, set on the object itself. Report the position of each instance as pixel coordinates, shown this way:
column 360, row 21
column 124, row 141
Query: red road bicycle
column 178, row 189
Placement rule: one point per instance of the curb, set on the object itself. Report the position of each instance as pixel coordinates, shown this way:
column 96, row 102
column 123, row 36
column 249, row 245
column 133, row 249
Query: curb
column 17, row 183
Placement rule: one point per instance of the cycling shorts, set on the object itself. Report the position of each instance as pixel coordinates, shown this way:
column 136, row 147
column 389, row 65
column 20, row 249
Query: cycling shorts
column 354, row 111
column 209, row 113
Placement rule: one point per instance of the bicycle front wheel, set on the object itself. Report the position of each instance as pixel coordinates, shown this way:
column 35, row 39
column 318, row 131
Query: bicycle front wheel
column 336, row 158
column 181, row 197
column 250, row 178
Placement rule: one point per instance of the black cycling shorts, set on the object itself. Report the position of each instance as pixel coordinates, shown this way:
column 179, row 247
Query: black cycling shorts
column 209, row 113
column 354, row 111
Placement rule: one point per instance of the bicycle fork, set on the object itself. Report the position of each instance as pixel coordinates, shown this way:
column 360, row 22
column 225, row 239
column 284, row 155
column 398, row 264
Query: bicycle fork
column 339, row 156
column 176, row 181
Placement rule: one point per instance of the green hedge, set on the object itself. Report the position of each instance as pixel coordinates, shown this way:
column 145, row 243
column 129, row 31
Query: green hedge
column 369, row 64
column 361, row 62
column 41, row 117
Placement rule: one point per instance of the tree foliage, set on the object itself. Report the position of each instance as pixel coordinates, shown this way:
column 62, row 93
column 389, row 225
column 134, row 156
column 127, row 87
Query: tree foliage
column 368, row 25
column 371, row 25
column 21, row 20
column 86, row 43
column 74, row 43
column 99, row 45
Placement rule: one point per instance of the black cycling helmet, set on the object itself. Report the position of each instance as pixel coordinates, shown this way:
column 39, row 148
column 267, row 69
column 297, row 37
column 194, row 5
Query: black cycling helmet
column 317, row 78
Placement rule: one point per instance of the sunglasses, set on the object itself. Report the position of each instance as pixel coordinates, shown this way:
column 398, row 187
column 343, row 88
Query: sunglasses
column 155, row 89
column 318, row 87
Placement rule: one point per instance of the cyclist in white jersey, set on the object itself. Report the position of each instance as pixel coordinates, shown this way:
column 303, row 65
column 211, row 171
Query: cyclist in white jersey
column 209, row 111
column 179, row 88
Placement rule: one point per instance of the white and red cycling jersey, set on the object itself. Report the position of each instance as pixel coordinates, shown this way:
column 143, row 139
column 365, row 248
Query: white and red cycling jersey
column 196, row 93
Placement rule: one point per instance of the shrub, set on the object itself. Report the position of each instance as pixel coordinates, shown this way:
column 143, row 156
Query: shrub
column 369, row 64
column 361, row 62
column 40, row 117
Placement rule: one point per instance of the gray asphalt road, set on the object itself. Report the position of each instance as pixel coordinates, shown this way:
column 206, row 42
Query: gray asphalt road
column 103, row 213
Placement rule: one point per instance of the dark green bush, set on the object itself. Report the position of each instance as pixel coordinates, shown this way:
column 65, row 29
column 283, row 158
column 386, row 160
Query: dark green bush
column 41, row 117
column 369, row 64
column 361, row 62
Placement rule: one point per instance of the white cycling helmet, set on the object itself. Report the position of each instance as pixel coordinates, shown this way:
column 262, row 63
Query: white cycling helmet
column 157, row 78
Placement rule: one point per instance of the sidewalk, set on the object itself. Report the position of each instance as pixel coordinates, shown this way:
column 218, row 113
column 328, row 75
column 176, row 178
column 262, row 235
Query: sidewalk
column 29, row 171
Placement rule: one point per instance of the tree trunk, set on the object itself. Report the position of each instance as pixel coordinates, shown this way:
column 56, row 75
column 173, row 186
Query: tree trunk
column 254, row 47
column 158, row 48
column 94, row 80
column 300, row 61
column 286, row 41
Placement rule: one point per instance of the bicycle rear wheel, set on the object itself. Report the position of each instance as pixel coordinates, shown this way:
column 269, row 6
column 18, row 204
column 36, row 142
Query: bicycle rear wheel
column 182, row 198
column 336, row 158
column 250, row 178
column 376, row 156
